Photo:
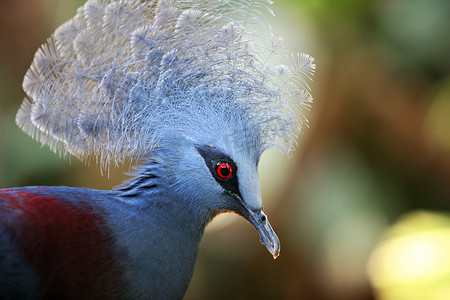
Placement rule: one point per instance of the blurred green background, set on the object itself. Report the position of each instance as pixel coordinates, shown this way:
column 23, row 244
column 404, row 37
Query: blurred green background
column 362, row 207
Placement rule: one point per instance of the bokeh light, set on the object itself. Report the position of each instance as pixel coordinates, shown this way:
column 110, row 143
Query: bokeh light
column 412, row 262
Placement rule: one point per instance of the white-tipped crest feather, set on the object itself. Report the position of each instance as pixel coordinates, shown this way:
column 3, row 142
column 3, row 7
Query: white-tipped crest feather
column 122, row 74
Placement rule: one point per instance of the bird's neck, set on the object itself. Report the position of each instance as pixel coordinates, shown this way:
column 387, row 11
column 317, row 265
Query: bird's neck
column 160, row 232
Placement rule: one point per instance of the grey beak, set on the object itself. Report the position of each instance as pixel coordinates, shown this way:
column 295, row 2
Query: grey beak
column 268, row 237
column 259, row 220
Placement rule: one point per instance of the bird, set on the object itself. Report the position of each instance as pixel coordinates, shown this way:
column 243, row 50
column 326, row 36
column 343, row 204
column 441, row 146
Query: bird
column 192, row 91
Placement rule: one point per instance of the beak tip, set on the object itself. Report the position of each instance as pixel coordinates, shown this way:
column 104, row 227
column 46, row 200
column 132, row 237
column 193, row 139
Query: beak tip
column 274, row 249
column 275, row 252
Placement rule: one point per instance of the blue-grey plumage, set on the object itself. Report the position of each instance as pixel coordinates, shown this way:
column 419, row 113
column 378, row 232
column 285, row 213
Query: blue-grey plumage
column 191, row 89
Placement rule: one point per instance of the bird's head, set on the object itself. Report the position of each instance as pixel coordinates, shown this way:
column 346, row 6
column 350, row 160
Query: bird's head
column 215, row 166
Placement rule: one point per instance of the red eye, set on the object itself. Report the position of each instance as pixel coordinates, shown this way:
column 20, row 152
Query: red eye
column 224, row 170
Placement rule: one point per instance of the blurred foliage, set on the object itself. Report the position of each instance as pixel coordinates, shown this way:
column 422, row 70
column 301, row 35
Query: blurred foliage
column 370, row 180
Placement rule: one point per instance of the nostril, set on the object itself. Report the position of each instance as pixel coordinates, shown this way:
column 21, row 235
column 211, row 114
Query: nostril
column 263, row 218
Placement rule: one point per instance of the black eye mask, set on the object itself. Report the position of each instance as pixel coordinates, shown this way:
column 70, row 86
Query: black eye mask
column 222, row 168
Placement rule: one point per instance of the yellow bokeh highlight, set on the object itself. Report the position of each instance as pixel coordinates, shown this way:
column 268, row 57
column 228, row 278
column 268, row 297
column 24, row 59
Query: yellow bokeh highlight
column 412, row 262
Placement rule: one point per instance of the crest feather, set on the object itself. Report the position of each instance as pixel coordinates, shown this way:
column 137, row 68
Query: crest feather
column 121, row 74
